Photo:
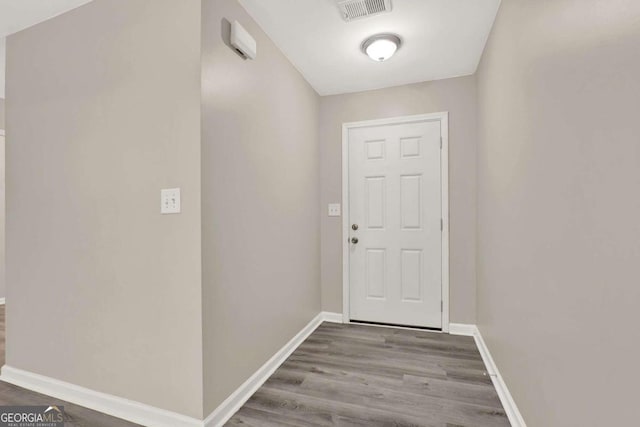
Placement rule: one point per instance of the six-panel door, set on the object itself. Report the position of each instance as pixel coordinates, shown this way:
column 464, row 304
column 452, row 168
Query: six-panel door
column 395, row 203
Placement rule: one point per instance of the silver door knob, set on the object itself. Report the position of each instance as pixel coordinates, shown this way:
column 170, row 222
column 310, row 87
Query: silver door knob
column 354, row 240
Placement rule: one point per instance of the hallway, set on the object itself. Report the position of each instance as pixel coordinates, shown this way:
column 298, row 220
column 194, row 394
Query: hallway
column 209, row 207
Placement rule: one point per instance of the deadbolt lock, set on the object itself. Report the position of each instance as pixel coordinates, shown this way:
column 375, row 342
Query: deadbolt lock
column 354, row 227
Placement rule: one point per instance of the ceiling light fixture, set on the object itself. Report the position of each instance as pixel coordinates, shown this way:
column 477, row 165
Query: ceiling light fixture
column 381, row 46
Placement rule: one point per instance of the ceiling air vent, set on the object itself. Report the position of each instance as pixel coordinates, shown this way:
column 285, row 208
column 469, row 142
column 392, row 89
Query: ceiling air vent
column 356, row 9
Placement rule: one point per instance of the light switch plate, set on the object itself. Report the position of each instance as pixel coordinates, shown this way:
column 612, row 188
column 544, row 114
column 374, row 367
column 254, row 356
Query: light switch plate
column 170, row 201
column 334, row 209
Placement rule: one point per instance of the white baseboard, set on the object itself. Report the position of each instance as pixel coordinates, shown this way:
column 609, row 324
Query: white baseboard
column 328, row 316
column 119, row 407
column 509, row 405
column 462, row 329
column 147, row 415
column 234, row 402
column 2, row 301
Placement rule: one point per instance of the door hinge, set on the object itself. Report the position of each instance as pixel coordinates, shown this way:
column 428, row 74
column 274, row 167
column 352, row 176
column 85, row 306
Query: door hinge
column 441, row 224
column 441, row 143
column 441, row 306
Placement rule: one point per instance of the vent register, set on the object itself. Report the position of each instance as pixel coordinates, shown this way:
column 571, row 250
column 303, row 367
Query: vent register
column 357, row 9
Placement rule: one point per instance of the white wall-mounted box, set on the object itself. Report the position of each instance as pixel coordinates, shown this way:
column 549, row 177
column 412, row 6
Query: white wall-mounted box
column 242, row 41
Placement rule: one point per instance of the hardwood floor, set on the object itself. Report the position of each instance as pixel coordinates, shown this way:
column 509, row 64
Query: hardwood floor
column 75, row 415
column 356, row 375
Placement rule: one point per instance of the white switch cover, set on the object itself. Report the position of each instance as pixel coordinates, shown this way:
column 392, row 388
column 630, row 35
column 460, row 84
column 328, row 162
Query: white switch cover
column 334, row 209
column 170, row 201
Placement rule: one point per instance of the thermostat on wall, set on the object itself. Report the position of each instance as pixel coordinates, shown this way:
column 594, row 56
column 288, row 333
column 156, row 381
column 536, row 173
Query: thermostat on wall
column 242, row 41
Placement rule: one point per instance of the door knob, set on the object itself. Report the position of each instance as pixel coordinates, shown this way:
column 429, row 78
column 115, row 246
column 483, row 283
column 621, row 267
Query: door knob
column 354, row 240
column 354, row 227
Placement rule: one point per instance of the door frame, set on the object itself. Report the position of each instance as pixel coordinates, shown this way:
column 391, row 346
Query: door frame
column 443, row 118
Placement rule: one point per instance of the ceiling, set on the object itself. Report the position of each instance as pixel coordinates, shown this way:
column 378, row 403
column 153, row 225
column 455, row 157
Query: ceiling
column 441, row 39
column 16, row 15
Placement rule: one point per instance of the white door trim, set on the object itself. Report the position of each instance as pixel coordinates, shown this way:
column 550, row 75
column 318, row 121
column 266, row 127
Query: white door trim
column 443, row 117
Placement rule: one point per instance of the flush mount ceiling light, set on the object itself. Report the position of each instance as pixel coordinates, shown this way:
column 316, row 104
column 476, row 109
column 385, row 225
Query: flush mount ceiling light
column 381, row 46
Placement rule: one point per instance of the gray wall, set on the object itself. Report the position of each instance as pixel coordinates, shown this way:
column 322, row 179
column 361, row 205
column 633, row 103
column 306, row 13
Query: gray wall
column 458, row 97
column 103, row 104
column 558, row 230
column 2, row 204
column 260, row 237
column 3, row 290
column 1, row 113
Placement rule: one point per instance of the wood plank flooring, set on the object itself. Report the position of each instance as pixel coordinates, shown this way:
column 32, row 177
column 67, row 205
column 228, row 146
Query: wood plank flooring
column 76, row 416
column 357, row 375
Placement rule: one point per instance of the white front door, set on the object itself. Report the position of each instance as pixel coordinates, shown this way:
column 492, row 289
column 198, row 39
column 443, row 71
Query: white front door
column 395, row 212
